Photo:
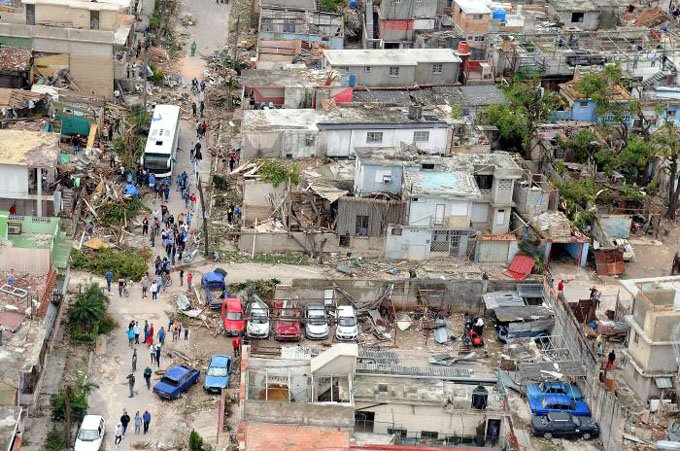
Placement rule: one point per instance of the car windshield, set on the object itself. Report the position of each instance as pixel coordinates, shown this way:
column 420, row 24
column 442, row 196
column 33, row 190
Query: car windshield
column 168, row 381
column 234, row 316
column 214, row 286
column 258, row 317
column 88, row 435
column 217, row 371
column 347, row 321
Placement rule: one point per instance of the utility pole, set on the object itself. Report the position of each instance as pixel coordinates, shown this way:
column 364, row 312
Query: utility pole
column 67, row 414
column 144, row 69
column 203, row 215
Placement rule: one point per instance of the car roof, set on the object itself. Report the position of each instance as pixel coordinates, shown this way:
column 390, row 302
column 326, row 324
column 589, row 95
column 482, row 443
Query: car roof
column 91, row 421
column 219, row 359
column 559, row 416
column 234, row 304
column 176, row 372
column 346, row 310
column 558, row 399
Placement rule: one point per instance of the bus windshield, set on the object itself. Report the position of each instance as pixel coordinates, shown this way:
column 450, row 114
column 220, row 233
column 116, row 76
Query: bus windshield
column 156, row 161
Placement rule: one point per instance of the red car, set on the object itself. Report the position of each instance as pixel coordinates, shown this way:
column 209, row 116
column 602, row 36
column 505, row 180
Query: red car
column 287, row 325
column 232, row 316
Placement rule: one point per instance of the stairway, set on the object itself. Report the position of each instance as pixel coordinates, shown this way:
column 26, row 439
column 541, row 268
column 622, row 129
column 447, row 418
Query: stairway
column 667, row 70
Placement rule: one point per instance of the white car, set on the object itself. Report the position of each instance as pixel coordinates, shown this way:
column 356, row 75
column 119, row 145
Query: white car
column 316, row 322
column 347, row 328
column 258, row 324
column 91, row 433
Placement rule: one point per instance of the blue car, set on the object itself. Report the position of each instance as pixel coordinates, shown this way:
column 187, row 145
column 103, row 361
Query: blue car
column 554, row 388
column 504, row 334
column 542, row 405
column 218, row 374
column 176, row 381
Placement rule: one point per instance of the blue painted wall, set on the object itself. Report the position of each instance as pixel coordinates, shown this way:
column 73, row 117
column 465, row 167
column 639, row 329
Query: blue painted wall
column 335, row 42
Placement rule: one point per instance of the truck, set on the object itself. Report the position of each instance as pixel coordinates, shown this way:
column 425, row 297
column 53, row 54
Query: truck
column 214, row 285
column 176, row 380
column 287, row 321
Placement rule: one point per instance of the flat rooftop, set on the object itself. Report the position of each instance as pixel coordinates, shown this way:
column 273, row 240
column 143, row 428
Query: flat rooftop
column 473, row 6
column 443, row 184
column 29, row 148
column 389, row 57
column 21, row 351
column 9, row 419
column 464, row 96
column 285, row 119
column 572, row 5
column 301, row 78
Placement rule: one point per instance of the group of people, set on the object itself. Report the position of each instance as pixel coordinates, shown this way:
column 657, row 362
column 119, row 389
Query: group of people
column 139, row 421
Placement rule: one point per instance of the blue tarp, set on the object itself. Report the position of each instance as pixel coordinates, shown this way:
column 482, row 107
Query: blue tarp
column 130, row 190
column 208, row 277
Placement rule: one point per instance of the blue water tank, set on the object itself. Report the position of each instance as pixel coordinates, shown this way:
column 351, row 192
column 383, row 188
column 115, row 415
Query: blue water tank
column 353, row 4
column 352, row 80
column 499, row 14
column 343, row 79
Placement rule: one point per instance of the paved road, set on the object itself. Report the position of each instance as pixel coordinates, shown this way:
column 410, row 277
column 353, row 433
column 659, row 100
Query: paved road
column 169, row 420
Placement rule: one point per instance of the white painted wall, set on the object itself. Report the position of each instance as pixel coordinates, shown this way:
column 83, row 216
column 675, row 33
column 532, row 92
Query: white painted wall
column 13, row 180
column 341, row 143
column 422, row 213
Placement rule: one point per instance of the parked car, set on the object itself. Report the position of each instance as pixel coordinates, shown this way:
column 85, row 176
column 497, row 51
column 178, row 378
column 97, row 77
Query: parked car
column 347, row 328
column 176, row 380
column 218, row 373
column 554, row 388
column 287, row 323
column 91, row 433
column 258, row 323
column 214, row 285
column 232, row 316
column 504, row 334
column 542, row 405
column 560, row 424
column 316, row 322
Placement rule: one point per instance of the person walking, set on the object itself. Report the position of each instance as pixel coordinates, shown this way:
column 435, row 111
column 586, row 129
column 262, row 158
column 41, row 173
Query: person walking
column 145, row 225
column 154, row 291
column 181, row 277
column 121, row 287
column 230, row 212
column 198, row 129
column 109, row 278
column 145, row 285
column 166, row 191
column 131, row 337
column 202, row 108
column 152, row 353
column 137, row 332
column 192, row 199
column 193, row 109
column 158, row 356
column 134, row 360
column 610, row 359
column 147, row 377
column 124, row 421
column 236, row 344
column 161, row 336
column 119, row 435
column 190, row 280
column 131, row 384
column 146, row 418
column 138, row 423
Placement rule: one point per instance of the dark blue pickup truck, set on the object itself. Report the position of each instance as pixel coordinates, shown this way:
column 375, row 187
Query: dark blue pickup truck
column 176, row 380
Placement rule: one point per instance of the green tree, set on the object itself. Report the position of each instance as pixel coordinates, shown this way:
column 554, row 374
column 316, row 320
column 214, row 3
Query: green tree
column 582, row 147
column 632, row 161
column 668, row 141
column 195, row 441
column 79, row 405
column 512, row 127
column 88, row 309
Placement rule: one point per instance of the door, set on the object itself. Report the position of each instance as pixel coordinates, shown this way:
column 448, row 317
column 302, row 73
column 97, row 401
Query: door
column 30, row 14
column 439, row 214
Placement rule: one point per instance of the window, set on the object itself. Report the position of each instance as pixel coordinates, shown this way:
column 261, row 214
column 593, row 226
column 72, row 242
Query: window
column 477, row 17
column 500, row 217
column 670, row 113
column 344, row 241
column 362, row 225
column 289, row 26
column 94, row 20
column 608, row 118
column 484, row 181
column 437, row 68
column 309, row 139
column 397, row 1
column 396, row 231
column 583, row 104
column 427, row 166
column 30, row 14
column 577, row 17
column 374, row 137
column 382, row 388
column 398, row 432
column 429, row 435
column 394, row 71
column 367, row 69
column 421, row 137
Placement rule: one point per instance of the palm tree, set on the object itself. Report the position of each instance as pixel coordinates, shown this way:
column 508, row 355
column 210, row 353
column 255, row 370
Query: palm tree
column 89, row 308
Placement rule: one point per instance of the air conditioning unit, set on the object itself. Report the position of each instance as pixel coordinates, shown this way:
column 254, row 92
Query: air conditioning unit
column 14, row 229
column 387, row 178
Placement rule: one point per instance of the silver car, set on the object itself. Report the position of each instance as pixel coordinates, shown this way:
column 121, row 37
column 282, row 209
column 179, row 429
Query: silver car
column 316, row 322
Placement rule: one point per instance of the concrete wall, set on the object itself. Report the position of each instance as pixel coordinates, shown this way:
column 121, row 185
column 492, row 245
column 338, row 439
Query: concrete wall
column 341, row 143
column 407, row 9
column 583, row 110
column 495, row 251
column 422, row 212
column 530, row 201
column 13, row 180
column 369, row 178
column 380, row 75
column 413, row 243
column 31, row 261
column 258, row 198
column 425, row 74
column 501, row 220
column 301, row 414
column 591, row 19
column 276, row 242
column 471, row 23
column 74, row 17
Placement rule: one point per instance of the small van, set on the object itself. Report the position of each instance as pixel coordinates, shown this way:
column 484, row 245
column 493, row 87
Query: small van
column 347, row 328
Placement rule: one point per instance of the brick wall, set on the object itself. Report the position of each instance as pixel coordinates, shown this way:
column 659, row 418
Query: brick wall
column 46, row 295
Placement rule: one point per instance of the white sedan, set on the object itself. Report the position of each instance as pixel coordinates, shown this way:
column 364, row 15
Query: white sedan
column 91, row 433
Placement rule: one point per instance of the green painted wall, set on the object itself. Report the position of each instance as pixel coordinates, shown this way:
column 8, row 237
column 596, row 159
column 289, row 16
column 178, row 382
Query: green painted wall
column 19, row 43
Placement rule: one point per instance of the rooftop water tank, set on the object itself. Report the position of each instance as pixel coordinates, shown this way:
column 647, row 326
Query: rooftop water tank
column 353, row 4
column 499, row 14
column 463, row 47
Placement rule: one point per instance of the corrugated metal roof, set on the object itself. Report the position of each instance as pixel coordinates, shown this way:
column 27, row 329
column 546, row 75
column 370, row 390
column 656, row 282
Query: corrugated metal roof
column 663, row 382
column 520, row 268
column 496, row 237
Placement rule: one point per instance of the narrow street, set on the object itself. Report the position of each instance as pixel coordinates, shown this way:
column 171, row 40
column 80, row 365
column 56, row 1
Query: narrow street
column 171, row 421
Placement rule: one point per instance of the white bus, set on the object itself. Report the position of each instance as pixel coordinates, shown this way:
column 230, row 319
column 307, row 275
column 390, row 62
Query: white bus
column 161, row 144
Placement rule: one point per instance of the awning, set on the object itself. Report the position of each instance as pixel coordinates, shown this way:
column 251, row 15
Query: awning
column 520, row 268
column 524, row 313
column 328, row 192
column 663, row 382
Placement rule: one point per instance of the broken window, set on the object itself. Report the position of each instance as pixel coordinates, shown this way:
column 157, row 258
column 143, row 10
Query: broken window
column 394, row 71
column 427, row 166
column 362, row 225
column 421, row 136
column 398, row 432
column 344, row 241
column 94, row 20
column 429, row 435
column 289, row 26
column 30, row 14
column 374, row 137
column 577, row 17
column 484, row 181
column 309, row 139
column 396, row 231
